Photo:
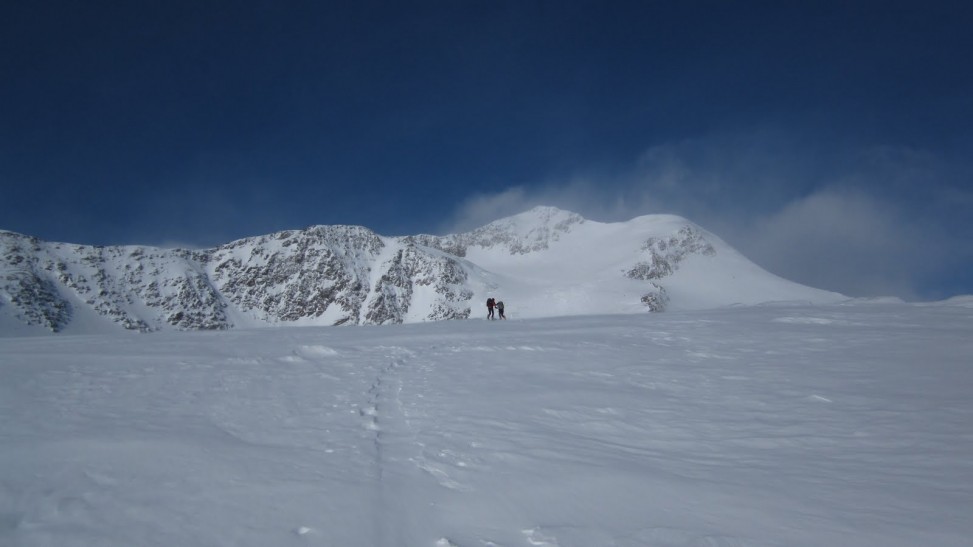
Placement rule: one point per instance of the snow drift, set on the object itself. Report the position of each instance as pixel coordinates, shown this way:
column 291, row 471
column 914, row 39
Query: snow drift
column 758, row 426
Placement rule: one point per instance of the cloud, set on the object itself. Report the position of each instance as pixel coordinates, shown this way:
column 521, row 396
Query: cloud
column 868, row 221
column 480, row 209
column 193, row 212
column 843, row 240
column 892, row 223
column 697, row 178
column 577, row 194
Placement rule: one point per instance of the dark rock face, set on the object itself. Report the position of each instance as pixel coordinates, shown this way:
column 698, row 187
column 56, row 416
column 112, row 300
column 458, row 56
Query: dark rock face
column 656, row 300
column 662, row 258
column 279, row 278
column 298, row 274
column 664, row 255
column 410, row 270
column 36, row 301
column 139, row 288
column 548, row 225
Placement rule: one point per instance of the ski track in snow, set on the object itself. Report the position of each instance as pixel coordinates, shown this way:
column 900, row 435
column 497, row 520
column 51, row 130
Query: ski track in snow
column 776, row 426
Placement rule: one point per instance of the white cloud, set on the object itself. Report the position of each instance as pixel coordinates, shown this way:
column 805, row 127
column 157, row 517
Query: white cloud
column 867, row 222
column 843, row 240
column 481, row 209
column 578, row 195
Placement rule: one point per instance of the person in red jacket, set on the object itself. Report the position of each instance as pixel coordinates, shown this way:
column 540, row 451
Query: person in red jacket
column 490, row 303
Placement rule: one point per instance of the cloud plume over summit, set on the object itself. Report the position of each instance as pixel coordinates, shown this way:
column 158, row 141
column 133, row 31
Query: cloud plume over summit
column 872, row 221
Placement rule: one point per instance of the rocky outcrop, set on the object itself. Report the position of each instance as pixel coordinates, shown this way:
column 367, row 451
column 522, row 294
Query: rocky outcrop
column 295, row 275
column 661, row 259
column 36, row 301
column 138, row 288
column 546, row 225
column 656, row 300
column 412, row 269
column 663, row 255
column 287, row 277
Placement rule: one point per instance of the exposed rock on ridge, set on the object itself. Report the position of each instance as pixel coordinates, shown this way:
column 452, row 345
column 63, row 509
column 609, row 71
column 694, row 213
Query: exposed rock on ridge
column 546, row 225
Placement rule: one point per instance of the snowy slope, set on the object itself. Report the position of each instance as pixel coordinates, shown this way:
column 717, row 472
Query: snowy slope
column 573, row 266
column 784, row 426
column 541, row 263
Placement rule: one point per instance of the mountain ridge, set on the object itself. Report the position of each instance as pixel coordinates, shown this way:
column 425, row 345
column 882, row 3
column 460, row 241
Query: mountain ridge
column 544, row 261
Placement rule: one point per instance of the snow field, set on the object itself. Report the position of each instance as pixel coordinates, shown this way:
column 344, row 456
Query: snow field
column 757, row 426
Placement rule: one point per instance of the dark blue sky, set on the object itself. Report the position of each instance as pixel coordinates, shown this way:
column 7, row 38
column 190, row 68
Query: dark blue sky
column 829, row 141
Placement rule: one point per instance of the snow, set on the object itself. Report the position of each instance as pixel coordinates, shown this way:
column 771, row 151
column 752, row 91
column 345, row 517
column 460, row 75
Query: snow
column 580, row 273
column 783, row 425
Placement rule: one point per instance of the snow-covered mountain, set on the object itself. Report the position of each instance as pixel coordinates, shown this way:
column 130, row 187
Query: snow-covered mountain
column 544, row 262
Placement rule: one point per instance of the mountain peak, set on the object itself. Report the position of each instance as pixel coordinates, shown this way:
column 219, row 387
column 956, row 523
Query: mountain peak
column 542, row 215
column 532, row 230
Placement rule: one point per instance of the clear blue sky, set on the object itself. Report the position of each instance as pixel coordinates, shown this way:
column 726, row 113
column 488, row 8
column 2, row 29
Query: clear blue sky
column 831, row 142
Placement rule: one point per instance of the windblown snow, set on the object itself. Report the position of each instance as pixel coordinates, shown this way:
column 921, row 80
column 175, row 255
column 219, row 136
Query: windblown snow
column 780, row 425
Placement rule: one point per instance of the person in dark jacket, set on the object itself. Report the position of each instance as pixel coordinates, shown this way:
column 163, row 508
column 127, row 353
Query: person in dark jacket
column 490, row 303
